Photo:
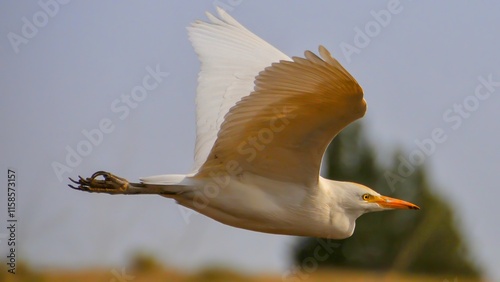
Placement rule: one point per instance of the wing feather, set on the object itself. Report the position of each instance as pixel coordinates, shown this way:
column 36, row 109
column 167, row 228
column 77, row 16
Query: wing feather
column 282, row 129
column 231, row 57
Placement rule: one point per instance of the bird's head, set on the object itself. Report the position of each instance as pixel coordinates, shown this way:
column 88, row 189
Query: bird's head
column 348, row 201
column 363, row 199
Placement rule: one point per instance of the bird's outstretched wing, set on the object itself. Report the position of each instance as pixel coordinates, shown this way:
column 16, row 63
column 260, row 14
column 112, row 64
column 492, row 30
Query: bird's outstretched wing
column 231, row 57
column 281, row 130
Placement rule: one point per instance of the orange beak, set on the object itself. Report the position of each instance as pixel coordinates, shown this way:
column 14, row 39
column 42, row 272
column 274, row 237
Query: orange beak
column 392, row 203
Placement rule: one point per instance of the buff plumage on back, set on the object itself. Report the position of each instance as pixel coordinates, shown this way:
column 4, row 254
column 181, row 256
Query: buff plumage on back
column 281, row 130
column 231, row 57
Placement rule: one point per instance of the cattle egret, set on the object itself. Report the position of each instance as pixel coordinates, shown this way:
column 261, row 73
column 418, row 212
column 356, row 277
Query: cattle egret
column 264, row 121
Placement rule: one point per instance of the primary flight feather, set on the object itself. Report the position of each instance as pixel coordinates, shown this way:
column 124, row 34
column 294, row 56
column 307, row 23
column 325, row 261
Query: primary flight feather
column 264, row 121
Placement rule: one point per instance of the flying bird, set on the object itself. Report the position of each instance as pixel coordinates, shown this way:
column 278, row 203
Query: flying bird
column 264, row 121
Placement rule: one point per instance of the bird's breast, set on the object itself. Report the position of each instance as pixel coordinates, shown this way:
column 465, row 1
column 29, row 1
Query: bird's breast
column 264, row 205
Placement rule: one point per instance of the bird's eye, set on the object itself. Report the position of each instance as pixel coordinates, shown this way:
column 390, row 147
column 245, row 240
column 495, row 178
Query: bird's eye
column 366, row 197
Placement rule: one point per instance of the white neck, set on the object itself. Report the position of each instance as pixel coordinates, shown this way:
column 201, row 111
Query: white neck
column 342, row 216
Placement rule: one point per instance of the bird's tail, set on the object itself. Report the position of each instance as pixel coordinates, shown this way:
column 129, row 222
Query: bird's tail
column 171, row 183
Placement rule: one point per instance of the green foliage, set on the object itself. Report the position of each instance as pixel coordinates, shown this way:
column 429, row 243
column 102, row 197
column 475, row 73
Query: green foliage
column 425, row 241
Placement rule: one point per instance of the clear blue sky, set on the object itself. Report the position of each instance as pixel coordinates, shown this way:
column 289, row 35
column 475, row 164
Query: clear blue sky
column 68, row 69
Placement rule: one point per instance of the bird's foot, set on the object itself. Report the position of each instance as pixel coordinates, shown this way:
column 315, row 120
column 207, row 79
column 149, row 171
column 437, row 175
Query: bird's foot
column 111, row 184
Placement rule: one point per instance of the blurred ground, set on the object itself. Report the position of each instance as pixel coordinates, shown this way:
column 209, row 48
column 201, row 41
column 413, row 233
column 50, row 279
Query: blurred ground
column 211, row 275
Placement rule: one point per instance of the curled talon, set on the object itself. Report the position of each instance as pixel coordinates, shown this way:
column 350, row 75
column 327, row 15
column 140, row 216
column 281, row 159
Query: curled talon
column 100, row 173
column 74, row 181
column 83, row 180
column 110, row 184
column 81, row 187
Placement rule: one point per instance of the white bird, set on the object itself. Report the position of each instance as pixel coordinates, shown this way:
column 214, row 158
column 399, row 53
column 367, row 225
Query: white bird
column 264, row 121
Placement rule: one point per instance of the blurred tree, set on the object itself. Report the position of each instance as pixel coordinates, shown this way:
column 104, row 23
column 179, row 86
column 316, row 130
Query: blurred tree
column 143, row 262
column 425, row 241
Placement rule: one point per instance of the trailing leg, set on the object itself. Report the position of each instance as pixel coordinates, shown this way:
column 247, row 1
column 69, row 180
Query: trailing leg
column 112, row 184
